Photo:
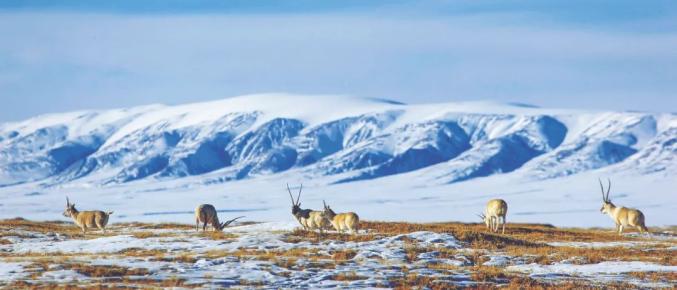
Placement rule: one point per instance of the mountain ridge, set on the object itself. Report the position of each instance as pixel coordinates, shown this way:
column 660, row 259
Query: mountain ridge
column 357, row 138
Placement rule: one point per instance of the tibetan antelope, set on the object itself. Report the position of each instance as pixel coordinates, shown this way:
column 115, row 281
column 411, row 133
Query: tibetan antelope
column 494, row 213
column 206, row 214
column 308, row 218
column 347, row 221
column 622, row 216
column 87, row 219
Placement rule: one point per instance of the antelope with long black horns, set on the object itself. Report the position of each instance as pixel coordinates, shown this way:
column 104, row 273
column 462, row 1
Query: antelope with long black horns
column 622, row 216
column 308, row 218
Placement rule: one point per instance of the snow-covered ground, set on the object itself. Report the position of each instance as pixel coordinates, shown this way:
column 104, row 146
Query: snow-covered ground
column 568, row 201
column 262, row 254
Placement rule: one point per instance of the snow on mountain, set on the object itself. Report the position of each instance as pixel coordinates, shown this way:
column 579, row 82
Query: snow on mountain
column 351, row 138
column 382, row 159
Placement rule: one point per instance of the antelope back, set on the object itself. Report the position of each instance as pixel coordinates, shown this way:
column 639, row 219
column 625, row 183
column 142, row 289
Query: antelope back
column 92, row 219
column 315, row 220
column 207, row 213
column 348, row 219
column 637, row 218
column 629, row 216
column 497, row 207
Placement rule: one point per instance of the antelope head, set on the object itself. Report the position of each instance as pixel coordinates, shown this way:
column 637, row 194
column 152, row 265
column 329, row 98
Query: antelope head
column 328, row 212
column 224, row 225
column 295, row 205
column 484, row 219
column 70, row 209
column 607, row 205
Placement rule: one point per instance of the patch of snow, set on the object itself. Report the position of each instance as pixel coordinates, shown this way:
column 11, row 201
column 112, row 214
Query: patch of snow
column 10, row 271
column 112, row 244
column 591, row 269
column 597, row 245
column 62, row 276
column 498, row 261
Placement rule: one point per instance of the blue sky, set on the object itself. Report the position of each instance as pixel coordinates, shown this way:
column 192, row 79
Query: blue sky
column 71, row 55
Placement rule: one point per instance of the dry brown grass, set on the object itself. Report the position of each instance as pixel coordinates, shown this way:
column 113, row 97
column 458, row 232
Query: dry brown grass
column 527, row 283
column 524, row 240
column 156, row 226
column 125, row 283
column 42, row 254
column 6, row 232
column 139, row 252
column 105, row 271
column 492, row 277
column 282, row 258
column 5, row 242
column 67, row 229
column 487, row 274
column 415, row 281
column 160, row 255
column 473, row 234
column 300, row 235
column 151, row 234
column 665, row 277
column 348, row 276
column 183, row 257
column 517, row 235
column 262, row 255
column 42, row 227
column 443, row 267
column 548, row 255
column 37, row 267
column 342, row 257
column 218, row 235
column 412, row 250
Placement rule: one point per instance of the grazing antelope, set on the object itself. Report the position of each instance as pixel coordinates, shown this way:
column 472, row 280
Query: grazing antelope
column 206, row 214
column 348, row 221
column 87, row 219
column 494, row 213
column 622, row 216
column 308, row 218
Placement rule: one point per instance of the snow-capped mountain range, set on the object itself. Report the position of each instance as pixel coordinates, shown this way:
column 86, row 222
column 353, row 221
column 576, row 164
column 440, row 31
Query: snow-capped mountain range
column 341, row 139
column 381, row 159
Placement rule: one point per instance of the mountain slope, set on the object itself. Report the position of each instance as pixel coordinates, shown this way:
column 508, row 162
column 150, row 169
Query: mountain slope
column 350, row 138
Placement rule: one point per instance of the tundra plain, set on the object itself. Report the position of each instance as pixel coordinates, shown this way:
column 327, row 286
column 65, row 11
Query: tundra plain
column 55, row 255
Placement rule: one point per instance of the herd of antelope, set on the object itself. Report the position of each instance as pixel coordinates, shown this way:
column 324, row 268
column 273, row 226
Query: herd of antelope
column 494, row 213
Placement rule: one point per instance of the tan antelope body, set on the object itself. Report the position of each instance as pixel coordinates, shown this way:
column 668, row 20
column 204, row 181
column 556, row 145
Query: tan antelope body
column 206, row 214
column 622, row 216
column 495, row 212
column 308, row 218
column 348, row 221
column 87, row 219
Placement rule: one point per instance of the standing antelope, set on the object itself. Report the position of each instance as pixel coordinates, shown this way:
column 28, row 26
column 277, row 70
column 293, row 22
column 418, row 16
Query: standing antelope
column 308, row 218
column 87, row 219
column 206, row 214
column 348, row 221
column 622, row 216
column 494, row 213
